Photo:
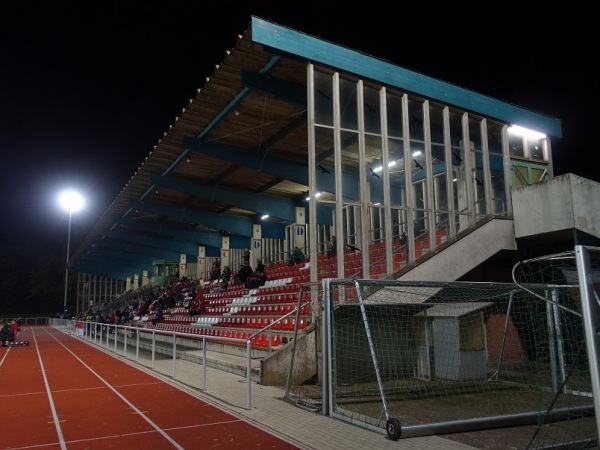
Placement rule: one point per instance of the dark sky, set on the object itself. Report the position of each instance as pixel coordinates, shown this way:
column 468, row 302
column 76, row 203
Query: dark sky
column 89, row 87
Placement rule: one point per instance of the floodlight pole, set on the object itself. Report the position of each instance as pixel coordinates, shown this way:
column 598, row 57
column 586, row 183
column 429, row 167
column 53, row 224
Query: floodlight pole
column 67, row 263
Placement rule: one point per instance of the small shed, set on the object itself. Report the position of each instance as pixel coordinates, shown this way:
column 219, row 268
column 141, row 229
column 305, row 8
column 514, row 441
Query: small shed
column 451, row 344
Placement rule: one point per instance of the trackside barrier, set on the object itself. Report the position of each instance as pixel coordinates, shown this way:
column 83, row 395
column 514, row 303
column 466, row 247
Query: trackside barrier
column 108, row 336
column 266, row 336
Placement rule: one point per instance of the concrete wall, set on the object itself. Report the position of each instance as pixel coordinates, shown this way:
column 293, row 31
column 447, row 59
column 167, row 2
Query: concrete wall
column 564, row 203
column 275, row 366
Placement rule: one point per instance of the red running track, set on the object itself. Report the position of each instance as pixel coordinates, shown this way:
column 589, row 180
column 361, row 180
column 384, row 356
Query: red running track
column 62, row 393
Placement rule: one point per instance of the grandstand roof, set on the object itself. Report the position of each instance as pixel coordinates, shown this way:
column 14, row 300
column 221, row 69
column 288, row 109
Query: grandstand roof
column 238, row 150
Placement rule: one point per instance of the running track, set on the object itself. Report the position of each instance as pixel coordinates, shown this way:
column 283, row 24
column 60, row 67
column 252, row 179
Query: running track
column 62, row 393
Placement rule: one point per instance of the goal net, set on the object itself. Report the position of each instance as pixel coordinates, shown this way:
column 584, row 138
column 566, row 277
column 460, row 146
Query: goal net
column 422, row 358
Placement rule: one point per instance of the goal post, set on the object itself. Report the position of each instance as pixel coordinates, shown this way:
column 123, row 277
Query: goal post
column 591, row 313
column 412, row 358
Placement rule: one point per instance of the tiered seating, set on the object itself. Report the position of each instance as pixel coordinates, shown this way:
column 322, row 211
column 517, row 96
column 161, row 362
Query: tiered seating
column 239, row 313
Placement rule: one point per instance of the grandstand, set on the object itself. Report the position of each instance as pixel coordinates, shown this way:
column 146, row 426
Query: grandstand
column 295, row 140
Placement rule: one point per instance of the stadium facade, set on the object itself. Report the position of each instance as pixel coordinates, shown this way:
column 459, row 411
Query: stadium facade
column 294, row 140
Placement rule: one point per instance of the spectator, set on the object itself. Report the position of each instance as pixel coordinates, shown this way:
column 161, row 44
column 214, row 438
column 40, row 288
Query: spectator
column 246, row 257
column 332, row 249
column 225, row 277
column 6, row 334
column 14, row 327
column 244, row 273
column 192, row 289
column 296, row 257
column 260, row 267
column 112, row 320
column 198, row 307
column 261, row 278
column 215, row 271
column 158, row 316
column 404, row 236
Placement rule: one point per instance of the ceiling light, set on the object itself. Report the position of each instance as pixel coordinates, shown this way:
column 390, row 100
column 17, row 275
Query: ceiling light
column 380, row 168
column 521, row 131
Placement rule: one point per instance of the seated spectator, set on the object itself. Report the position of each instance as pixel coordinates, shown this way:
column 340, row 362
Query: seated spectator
column 6, row 334
column 112, row 319
column 198, row 307
column 215, row 271
column 261, row 278
column 404, row 237
column 260, row 267
column 296, row 257
column 332, row 248
column 14, row 327
column 244, row 273
column 158, row 316
column 225, row 277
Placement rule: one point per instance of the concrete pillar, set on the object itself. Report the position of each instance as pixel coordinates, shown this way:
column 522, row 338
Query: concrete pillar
column 182, row 265
column 225, row 254
column 299, row 239
column 201, row 271
column 256, row 245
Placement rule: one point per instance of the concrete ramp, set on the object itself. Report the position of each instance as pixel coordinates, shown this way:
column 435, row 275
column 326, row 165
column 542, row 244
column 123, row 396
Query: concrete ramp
column 452, row 262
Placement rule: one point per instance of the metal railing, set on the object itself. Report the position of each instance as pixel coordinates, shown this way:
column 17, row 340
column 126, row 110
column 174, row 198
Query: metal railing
column 117, row 338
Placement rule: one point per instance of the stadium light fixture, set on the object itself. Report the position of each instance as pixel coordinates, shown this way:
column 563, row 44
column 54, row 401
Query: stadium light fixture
column 72, row 202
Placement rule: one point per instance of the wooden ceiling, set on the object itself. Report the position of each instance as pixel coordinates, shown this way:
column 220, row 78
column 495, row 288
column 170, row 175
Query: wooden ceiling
column 224, row 112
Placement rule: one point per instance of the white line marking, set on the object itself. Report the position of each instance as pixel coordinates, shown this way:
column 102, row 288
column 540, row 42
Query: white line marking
column 117, row 393
column 61, row 439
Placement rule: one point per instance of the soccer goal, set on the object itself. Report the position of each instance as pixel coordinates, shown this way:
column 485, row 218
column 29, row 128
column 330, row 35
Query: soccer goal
column 420, row 358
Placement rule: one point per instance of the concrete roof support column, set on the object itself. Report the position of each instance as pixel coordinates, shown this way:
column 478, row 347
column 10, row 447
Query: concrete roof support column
column 201, row 269
column 225, row 253
column 256, row 246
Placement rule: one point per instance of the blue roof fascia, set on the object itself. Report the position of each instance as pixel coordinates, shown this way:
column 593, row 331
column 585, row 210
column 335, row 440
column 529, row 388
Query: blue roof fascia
column 298, row 44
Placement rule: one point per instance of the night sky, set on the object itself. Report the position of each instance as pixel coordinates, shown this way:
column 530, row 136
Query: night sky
column 89, row 87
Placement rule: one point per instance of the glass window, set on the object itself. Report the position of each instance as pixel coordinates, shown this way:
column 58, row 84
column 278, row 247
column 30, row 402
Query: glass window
column 478, row 175
column 350, row 161
column 397, row 174
column 536, row 148
column 515, row 144
column 372, row 110
column 323, row 98
column 348, row 111
column 415, row 120
column 394, row 115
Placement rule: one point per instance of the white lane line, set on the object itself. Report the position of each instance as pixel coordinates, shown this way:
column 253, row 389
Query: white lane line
column 131, row 405
column 5, row 355
column 59, row 433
